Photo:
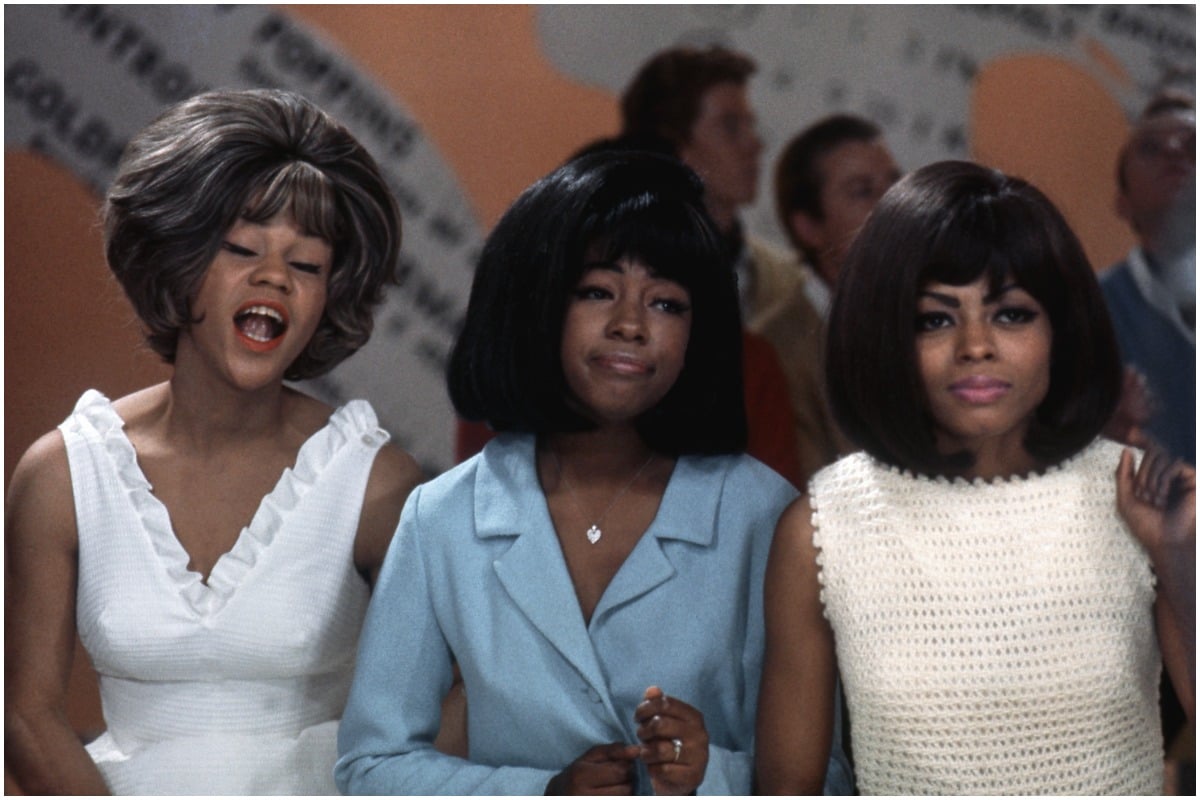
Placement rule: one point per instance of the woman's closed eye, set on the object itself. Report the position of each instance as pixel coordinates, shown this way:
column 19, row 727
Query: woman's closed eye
column 304, row 266
column 237, row 249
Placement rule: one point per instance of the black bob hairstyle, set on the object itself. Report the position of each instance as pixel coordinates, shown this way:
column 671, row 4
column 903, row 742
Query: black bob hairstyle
column 506, row 367
column 953, row 222
column 185, row 179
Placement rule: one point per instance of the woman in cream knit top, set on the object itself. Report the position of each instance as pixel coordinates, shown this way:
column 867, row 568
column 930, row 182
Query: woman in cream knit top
column 998, row 586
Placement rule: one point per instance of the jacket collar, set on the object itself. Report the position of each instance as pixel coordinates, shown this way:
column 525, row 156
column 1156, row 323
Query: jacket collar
column 509, row 499
column 509, row 503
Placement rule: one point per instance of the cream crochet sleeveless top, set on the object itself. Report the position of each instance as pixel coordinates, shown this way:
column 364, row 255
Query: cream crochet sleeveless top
column 993, row 638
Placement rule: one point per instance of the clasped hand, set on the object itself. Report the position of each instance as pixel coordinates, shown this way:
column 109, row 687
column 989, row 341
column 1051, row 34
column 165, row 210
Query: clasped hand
column 674, row 748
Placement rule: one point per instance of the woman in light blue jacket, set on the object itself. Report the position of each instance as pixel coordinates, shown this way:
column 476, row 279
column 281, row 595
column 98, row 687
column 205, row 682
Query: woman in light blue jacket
column 596, row 572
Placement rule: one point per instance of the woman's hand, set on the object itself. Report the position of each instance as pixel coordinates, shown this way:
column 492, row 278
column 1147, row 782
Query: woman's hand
column 604, row 769
column 674, row 742
column 1158, row 502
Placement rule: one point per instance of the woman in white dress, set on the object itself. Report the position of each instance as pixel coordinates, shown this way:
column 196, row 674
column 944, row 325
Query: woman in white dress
column 213, row 538
column 1001, row 587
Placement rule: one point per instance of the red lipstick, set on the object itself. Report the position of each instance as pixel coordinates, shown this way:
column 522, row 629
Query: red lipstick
column 260, row 325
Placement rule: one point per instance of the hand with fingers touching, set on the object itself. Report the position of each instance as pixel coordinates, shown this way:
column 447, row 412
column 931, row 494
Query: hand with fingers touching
column 1158, row 501
column 604, row 769
column 674, row 742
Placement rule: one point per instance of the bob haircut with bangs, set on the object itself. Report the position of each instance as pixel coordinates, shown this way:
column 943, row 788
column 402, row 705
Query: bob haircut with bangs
column 185, row 179
column 506, row 367
column 953, row 222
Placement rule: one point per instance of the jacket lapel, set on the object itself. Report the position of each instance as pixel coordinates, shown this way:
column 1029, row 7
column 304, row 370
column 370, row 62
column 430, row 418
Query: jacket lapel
column 687, row 513
column 509, row 503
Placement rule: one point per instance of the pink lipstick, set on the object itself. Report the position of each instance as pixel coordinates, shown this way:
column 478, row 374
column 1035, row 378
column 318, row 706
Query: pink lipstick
column 980, row 389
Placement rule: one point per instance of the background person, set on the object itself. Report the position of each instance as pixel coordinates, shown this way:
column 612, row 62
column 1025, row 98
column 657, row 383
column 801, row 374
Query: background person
column 827, row 180
column 1151, row 296
column 694, row 102
column 1152, row 293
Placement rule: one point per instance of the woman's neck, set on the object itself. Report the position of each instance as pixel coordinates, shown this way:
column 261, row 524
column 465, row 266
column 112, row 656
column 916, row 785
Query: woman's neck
column 598, row 455
column 209, row 416
column 990, row 464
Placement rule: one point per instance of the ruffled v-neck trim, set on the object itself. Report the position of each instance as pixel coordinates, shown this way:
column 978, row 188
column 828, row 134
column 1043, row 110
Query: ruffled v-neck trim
column 353, row 421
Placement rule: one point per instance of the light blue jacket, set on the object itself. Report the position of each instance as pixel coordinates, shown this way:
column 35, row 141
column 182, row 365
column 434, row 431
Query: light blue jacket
column 475, row 574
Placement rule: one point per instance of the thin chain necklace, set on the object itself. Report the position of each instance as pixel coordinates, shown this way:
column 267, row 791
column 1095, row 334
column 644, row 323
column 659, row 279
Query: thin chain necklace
column 594, row 533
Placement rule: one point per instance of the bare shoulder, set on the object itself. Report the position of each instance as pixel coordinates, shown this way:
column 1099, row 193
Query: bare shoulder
column 394, row 470
column 792, row 550
column 39, row 499
column 795, row 526
column 393, row 477
column 305, row 415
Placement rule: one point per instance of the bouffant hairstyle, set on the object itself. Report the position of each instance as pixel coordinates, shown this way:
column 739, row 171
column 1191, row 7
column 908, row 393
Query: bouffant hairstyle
column 186, row 178
column 663, row 100
column 506, row 367
column 798, row 177
column 953, row 222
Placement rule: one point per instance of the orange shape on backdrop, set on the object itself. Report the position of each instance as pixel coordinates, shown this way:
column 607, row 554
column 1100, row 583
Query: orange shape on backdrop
column 1050, row 122
column 478, row 84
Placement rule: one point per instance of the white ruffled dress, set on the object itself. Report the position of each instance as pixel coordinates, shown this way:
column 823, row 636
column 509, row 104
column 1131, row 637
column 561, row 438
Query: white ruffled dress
column 234, row 686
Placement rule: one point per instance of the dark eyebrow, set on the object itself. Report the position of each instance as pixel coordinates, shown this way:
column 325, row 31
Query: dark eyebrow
column 944, row 299
column 953, row 302
column 616, row 266
column 611, row 266
column 995, row 296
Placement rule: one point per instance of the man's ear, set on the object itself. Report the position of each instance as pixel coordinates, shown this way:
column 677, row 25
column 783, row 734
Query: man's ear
column 1122, row 207
column 808, row 230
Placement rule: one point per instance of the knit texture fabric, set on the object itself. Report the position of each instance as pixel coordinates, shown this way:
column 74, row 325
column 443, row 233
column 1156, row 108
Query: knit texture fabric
column 993, row 637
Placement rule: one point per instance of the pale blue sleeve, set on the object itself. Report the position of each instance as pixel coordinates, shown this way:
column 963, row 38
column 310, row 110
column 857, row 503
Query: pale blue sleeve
column 404, row 669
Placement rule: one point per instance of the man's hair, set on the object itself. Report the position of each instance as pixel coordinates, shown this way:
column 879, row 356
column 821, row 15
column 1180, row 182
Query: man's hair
column 1168, row 101
column 185, row 179
column 799, row 181
column 506, row 367
column 954, row 222
column 663, row 100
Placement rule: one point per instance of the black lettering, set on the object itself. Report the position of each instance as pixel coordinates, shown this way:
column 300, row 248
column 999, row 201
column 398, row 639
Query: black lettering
column 292, row 52
column 64, row 117
column 128, row 37
column 433, row 354
column 91, row 138
column 271, row 27
column 395, row 325
column 19, row 77
column 337, row 86
column 45, row 99
column 404, row 268
column 145, row 61
column 172, row 83
column 443, row 228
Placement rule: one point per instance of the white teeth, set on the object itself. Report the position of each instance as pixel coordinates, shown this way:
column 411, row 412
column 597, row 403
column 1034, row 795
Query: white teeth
column 265, row 311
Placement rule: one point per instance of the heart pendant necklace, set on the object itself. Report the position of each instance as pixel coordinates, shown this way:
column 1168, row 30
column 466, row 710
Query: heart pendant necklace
column 594, row 532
